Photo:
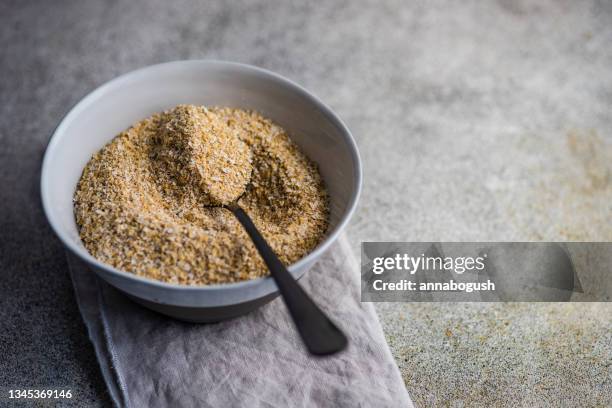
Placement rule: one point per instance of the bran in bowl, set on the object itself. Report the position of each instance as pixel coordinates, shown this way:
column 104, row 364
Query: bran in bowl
column 151, row 201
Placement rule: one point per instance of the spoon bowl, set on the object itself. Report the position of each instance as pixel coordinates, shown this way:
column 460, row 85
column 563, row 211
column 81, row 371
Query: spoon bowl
column 113, row 107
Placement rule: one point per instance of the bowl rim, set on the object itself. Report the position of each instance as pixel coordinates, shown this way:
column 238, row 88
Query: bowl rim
column 98, row 92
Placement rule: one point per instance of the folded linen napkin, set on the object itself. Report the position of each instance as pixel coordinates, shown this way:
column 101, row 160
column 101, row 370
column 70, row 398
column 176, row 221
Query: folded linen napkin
column 258, row 360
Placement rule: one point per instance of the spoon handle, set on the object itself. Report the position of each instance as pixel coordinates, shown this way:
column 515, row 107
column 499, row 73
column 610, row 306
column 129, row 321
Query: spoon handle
column 320, row 335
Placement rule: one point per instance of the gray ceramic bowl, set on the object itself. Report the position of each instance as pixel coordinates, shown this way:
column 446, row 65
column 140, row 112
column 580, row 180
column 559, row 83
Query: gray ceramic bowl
column 114, row 106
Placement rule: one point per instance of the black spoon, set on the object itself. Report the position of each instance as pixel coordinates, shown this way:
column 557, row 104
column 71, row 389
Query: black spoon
column 220, row 166
column 320, row 335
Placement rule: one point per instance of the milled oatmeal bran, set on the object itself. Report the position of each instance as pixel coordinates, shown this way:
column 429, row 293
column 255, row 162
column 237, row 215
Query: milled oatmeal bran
column 143, row 203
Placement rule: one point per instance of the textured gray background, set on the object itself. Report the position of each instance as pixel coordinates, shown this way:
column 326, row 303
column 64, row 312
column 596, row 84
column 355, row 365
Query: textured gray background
column 476, row 121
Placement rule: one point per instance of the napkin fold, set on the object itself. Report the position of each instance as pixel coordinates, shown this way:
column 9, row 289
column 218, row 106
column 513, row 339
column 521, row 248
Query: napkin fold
column 256, row 360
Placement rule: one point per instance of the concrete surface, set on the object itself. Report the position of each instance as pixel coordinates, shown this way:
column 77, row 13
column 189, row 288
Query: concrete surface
column 475, row 120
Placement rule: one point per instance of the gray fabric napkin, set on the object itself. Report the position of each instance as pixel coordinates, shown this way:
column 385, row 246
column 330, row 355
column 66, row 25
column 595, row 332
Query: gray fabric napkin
column 257, row 360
